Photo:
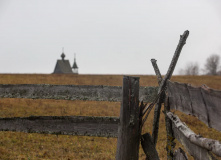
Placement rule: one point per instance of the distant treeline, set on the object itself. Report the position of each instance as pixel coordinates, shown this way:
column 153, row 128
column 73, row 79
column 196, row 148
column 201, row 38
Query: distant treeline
column 211, row 67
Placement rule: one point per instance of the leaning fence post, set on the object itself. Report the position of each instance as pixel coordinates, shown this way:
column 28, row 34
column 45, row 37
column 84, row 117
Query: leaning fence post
column 129, row 129
column 176, row 55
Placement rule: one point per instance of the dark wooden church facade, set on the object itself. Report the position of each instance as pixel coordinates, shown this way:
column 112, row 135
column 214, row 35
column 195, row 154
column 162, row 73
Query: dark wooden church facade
column 63, row 66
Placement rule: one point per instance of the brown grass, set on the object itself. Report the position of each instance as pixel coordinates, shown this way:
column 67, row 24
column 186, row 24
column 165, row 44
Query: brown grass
column 15, row 145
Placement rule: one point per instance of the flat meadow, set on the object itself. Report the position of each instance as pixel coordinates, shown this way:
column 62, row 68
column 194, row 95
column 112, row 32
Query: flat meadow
column 33, row 146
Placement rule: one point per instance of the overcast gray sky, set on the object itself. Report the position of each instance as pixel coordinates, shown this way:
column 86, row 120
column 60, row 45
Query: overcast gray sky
column 108, row 36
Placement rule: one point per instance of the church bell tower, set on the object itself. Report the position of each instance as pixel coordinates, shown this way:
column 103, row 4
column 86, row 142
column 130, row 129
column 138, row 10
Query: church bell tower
column 75, row 67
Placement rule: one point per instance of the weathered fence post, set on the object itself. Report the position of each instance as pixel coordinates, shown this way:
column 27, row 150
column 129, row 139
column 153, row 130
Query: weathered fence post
column 129, row 129
column 170, row 137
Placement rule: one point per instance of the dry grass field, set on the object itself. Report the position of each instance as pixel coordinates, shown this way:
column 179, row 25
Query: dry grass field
column 15, row 145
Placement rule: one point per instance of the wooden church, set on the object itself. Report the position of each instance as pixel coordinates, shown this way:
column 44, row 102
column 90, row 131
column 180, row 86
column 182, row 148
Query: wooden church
column 63, row 66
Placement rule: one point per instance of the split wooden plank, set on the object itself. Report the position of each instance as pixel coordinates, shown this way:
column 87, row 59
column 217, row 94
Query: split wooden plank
column 192, row 104
column 196, row 145
column 199, row 108
column 71, row 92
column 202, row 102
column 65, row 125
column 212, row 100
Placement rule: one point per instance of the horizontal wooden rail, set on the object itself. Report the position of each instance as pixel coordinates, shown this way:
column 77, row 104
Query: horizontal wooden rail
column 196, row 145
column 201, row 102
column 71, row 92
column 66, row 125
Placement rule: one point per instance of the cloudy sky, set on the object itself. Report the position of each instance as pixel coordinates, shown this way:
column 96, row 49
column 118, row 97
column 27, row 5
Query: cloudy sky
column 108, row 36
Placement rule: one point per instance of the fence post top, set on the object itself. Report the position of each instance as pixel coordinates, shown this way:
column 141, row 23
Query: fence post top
column 128, row 77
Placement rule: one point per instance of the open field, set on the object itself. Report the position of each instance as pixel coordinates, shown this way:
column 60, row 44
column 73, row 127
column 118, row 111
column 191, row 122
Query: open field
column 111, row 80
column 42, row 146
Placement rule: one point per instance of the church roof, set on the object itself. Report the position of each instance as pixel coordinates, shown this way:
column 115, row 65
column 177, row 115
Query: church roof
column 63, row 66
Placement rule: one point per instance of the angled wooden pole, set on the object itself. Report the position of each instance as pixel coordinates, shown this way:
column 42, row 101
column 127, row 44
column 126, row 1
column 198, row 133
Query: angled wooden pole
column 176, row 55
column 159, row 102
column 148, row 147
column 175, row 58
column 170, row 138
column 157, row 71
column 129, row 129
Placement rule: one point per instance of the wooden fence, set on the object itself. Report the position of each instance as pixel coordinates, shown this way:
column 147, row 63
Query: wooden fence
column 126, row 127
column 201, row 102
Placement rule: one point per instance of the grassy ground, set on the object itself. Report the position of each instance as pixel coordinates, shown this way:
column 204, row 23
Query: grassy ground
column 42, row 146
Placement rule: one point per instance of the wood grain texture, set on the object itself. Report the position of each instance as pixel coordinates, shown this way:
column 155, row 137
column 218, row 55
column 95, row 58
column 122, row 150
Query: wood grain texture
column 66, row 125
column 212, row 100
column 71, row 92
column 202, row 102
column 129, row 128
column 196, row 145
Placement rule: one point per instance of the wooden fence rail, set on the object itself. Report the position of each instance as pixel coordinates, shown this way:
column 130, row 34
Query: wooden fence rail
column 196, row 145
column 65, row 125
column 71, row 92
column 201, row 102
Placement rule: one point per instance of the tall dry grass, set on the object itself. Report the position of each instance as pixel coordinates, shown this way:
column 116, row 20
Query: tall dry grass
column 15, row 145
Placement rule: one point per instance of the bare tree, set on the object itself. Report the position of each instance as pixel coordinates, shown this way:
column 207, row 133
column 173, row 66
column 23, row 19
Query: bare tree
column 190, row 69
column 212, row 64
